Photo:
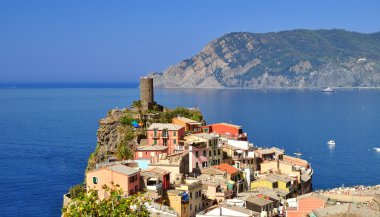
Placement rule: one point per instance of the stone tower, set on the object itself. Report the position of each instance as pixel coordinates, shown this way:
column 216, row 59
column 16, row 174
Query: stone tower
column 146, row 93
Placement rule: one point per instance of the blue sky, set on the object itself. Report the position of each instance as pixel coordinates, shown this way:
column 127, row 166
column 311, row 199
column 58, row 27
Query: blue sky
column 118, row 41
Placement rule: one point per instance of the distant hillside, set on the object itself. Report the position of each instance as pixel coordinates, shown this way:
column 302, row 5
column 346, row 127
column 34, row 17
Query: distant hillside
column 293, row 59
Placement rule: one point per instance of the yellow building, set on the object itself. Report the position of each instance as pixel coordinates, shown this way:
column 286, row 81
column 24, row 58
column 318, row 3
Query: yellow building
column 284, row 181
column 264, row 183
column 179, row 201
column 194, row 190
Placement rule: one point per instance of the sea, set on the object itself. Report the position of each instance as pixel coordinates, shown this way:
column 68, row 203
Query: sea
column 48, row 132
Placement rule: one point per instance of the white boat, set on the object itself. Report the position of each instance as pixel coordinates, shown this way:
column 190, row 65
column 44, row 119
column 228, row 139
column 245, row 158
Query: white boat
column 328, row 89
column 331, row 143
column 376, row 149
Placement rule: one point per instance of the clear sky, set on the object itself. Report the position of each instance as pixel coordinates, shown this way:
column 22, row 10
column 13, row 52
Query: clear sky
column 118, row 41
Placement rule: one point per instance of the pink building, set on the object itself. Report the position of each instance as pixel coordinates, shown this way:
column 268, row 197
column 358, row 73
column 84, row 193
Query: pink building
column 128, row 178
column 166, row 135
column 150, row 151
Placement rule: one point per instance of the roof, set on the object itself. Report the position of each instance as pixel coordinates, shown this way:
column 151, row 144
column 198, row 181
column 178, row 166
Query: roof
column 281, row 177
column 123, row 169
column 226, row 167
column 162, row 126
column 152, row 148
column 158, row 170
column 265, row 151
column 347, row 209
column 314, row 195
column 266, row 179
column 223, row 210
column 227, row 124
column 187, row 120
column 204, row 136
column 212, row 171
column 259, row 201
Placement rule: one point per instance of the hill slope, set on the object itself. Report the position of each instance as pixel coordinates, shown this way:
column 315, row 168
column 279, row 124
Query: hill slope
column 295, row 59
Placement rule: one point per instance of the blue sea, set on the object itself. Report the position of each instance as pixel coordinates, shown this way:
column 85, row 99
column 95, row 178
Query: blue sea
column 47, row 134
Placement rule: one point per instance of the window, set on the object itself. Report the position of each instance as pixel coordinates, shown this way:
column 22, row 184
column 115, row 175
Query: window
column 155, row 141
column 197, row 165
column 191, row 195
column 174, row 141
column 130, row 192
column 209, row 153
column 204, row 153
column 191, row 206
column 200, row 193
column 196, row 154
column 174, row 133
column 195, row 208
column 218, row 151
column 214, row 152
column 95, row 180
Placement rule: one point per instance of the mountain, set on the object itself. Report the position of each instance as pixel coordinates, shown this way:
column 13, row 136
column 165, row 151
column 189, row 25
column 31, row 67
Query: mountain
column 289, row 59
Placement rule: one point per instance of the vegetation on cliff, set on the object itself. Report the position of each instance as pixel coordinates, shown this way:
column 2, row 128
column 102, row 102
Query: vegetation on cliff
column 117, row 136
column 88, row 204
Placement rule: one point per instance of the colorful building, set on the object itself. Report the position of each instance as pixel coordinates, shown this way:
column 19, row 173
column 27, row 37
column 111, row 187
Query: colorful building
column 305, row 204
column 155, row 181
column 204, row 151
column 165, row 135
column 126, row 177
column 188, row 124
column 150, row 151
column 225, row 130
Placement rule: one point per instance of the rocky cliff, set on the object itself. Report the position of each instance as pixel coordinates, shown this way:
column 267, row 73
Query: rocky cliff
column 291, row 59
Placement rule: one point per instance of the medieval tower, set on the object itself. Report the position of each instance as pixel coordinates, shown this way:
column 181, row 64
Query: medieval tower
column 146, row 93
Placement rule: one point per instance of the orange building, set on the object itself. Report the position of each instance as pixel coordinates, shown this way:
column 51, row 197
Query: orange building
column 128, row 178
column 305, row 204
column 229, row 131
column 188, row 124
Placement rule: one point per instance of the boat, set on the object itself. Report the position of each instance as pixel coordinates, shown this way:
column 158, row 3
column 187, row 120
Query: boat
column 328, row 89
column 331, row 143
column 376, row 149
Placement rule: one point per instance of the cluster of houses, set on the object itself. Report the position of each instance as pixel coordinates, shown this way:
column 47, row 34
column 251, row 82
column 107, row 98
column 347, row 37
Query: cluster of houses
column 190, row 170
column 194, row 169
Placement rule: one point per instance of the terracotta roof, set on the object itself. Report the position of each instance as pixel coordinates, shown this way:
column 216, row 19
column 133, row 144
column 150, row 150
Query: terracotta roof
column 226, row 167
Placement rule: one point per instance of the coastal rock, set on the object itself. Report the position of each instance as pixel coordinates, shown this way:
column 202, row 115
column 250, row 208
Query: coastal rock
column 287, row 59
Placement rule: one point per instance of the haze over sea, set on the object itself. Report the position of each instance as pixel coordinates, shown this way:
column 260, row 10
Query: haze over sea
column 48, row 133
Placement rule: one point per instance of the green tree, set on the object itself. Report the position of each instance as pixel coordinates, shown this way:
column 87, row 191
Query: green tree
column 124, row 152
column 114, row 205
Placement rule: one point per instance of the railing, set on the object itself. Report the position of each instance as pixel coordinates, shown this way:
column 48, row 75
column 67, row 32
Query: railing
column 165, row 135
column 154, row 187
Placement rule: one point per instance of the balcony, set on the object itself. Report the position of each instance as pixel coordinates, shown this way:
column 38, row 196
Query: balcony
column 154, row 187
column 165, row 135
